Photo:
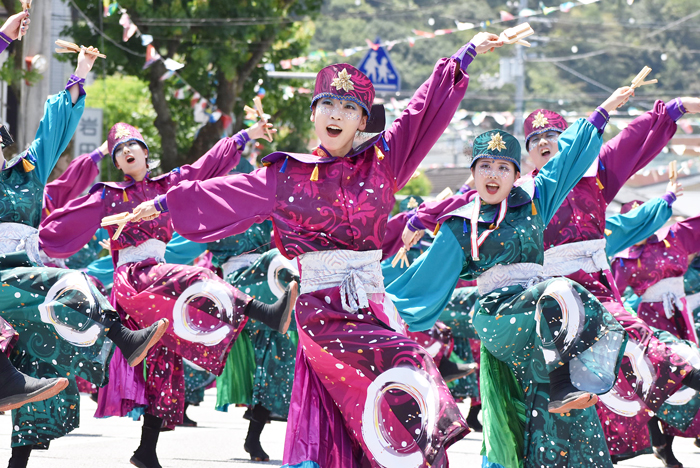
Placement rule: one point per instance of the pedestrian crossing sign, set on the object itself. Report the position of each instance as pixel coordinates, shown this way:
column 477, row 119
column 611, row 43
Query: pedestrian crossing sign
column 378, row 67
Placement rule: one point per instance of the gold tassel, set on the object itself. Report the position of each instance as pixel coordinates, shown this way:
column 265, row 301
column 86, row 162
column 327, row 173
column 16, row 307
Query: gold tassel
column 437, row 229
column 314, row 174
column 534, row 209
column 28, row 167
column 124, row 196
column 608, row 232
column 667, row 244
column 600, row 184
column 380, row 155
column 639, row 263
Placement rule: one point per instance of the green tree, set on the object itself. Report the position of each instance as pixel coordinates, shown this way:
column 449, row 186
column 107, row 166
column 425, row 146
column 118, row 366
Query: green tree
column 223, row 45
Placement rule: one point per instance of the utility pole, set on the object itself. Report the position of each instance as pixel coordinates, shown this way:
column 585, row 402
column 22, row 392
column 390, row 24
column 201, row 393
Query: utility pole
column 520, row 80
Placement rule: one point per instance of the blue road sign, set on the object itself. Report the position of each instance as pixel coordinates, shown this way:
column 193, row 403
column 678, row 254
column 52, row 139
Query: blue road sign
column 381, row 72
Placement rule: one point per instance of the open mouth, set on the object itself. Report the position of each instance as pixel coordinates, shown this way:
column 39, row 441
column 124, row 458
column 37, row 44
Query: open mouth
column 545, row 153
column 492, row 188
column 130, row 159
column 333, row 130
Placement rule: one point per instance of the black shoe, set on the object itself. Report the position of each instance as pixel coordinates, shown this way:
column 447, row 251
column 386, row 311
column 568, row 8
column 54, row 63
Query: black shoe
column 277, row 316
column 145, row 456
column 186, row 421
column 134, row 345
column 19, row 389
column 20, row 456
column 452, row 371
column 574, row 399
column 252, row 442
column 563, row 396
column 665, row 454
column 473, row 420
column 697, row 443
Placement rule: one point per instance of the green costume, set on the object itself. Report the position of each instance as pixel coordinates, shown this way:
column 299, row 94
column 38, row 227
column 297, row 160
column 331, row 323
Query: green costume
column 529, row 326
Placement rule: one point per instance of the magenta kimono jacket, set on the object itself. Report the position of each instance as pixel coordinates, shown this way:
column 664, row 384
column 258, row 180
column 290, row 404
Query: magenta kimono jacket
column 346, row 209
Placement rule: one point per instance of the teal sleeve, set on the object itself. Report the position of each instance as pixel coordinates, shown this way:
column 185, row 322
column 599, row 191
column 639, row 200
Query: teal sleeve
column 422, row 292
column 579, row 145
column 183, row 251
column 624, row 230
column 103, row 270
column 55, row 131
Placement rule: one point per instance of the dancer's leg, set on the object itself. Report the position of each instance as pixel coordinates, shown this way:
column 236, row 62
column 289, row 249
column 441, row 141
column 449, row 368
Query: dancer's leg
column 145, row 455
column 18, row 389
column 259, row 417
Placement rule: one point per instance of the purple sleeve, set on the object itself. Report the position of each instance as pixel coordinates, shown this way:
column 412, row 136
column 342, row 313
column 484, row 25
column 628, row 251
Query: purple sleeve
column 76, row 179
column 5, row 42
column 161, row 203
column 428, row 213
column 669, row 198
column 465, row 55
column 599, row 118
column 68, row 229
column 418, row 128
column 688, row 233
column 210, row 210
column 216, row 162
column 633, row 148
column 675, row 109
column 392, row 242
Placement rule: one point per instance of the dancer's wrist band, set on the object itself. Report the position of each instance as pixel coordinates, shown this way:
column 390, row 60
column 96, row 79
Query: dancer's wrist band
column 241, row 138
column 675, row 109
column 73, row 80
column 669, row 198
column 599, row 118
column 161, row 203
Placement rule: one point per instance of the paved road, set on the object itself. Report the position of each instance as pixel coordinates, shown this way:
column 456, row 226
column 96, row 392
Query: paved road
column 217, row 442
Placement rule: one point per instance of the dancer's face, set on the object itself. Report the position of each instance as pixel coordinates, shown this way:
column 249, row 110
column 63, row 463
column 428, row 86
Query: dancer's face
column 336, row 122
column 494, row 179
column 131, row 158
column 543, row 147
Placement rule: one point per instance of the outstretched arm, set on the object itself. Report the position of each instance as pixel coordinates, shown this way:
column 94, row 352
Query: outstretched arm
column 422, row 292
column 624, row 230
column 638, row 144
column 224, row 155
column 579, row 146
column 11, row 29
column 74, row 181
column 430, row 110
column 68, row 229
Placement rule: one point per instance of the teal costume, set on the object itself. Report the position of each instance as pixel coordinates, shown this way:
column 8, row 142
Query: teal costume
column 59, row 314
column 528, row 326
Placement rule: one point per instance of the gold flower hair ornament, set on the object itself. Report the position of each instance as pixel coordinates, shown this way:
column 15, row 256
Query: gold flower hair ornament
column 496, row 143
column 540, row 121
column 122, row 131
column 343, row 81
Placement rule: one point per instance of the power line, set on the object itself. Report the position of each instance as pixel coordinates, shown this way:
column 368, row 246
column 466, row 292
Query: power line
column 101, row 33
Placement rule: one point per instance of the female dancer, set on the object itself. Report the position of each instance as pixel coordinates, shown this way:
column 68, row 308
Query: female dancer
column 17, row 388
column 207, row 313
column 575, row 243
column 65, row 325
column 548, row 334
column 329, row 210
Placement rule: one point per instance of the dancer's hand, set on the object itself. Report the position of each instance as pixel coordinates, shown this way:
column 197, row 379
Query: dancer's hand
column 104, row 148
column 106, row 244
column 258, row 130
column 411, row 238
column 675, row 187
column 146, row 211
column 86, row 61
column 618, row 98
column 12, row 26
column 691, row 104
column 485, row 42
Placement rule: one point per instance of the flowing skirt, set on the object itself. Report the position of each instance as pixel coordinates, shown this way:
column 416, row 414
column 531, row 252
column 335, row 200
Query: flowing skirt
column 364, row 394
column 61, row 320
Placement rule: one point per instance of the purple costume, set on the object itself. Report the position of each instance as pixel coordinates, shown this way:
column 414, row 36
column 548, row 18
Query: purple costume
column 352, row 345
column 204, row 311
column 575, row 243
column 655, row 272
